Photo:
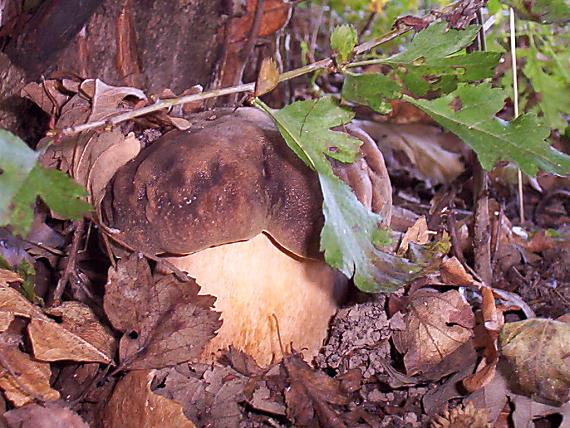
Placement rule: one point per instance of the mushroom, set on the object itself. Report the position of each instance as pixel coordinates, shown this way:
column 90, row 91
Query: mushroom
column 232, row 205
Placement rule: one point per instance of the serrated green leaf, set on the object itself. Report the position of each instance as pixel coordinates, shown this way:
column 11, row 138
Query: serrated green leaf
column 343, row 40
column 470, row 113
column 351, row 231
column 435, row 42
column 373, row 90
column 22, row 180
column 306, row 126
column 554, row 91
column 432, row 62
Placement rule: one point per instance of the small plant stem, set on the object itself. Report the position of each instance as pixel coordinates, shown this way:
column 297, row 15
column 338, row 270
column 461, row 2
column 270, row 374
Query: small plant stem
column 516, row 102
column 246, row 87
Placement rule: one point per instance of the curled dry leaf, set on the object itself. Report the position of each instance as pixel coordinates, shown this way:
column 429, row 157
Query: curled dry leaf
column 418, row 233
column 538, row 351
column 49, row 415
column 268, row 77
column 79, row 337
column 164, row 320
column 25, row 379
column 134, row 405
column 108, row 100
column 436, row 325
column 453, row 273
column 13, row 304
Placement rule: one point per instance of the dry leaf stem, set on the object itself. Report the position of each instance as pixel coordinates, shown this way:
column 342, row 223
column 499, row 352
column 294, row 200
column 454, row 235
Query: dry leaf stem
column 214, row 93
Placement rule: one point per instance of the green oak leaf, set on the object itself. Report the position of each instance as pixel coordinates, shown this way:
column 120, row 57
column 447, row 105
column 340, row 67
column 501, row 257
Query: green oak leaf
column 351, row 233
column 343, row 40
column 470, row 113
column 22, row 180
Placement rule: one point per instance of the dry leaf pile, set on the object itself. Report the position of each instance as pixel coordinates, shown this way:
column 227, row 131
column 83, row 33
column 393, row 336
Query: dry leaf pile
column 122, row 350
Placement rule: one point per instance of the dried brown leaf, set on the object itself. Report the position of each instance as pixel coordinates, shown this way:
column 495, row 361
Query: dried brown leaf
column 44, row 94
column 209, row 395
column 418, row 233
column 50, row 415
column 79, row 337
column 538, row 352
column 268, row 77
column 13, row 304
column 453, row 273
column 108, row 100
column 436, row 325
column 164, row 320
column 133, row 404
column 311, row 395
column 435, row 154
column 102, row 169
column 24, row 378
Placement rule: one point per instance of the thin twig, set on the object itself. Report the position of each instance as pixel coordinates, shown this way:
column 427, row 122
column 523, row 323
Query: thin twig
column 246, row 87
column 516, row 102
column 71, row 261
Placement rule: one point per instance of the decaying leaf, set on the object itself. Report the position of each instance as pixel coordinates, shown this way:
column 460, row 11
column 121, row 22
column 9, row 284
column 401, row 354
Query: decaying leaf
column 164, row 320
column 431, row 151
column 436, row 325
column 418, row 233
column 312, row 395
column 134, row 405
column 268, row 77
column 538, row 351
column 210, row 395
column 24, row 379
column 79, row 337
column 48, row 415
column 453, row 273
column 13, row 304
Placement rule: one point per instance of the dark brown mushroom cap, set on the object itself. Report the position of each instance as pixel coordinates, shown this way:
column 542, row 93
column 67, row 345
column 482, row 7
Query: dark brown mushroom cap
column 225, row 180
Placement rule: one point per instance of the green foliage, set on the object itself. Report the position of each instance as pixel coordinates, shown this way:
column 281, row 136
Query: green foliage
column 551, row 83
column 544, row 11
column 431, row 64
column 351, row 232
column 343, row 40
column 22, row 180
column 470, row 113
column 372, row 89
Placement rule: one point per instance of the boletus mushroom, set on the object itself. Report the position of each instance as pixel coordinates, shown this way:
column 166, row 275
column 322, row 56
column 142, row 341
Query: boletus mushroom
column 228, row 202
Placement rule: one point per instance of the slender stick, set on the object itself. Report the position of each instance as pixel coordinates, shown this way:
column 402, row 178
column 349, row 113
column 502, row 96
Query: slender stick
column 246, row 87
column 516, row 101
